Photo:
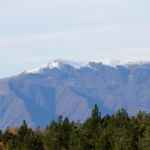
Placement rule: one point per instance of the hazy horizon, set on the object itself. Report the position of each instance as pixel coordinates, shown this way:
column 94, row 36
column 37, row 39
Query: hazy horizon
column 32, row 32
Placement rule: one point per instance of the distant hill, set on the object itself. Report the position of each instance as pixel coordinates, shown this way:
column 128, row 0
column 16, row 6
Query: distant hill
column 71, row 89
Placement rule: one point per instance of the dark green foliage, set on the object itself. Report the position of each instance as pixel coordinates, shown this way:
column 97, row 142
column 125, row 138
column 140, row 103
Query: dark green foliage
column 24, row 139
column 116, row 132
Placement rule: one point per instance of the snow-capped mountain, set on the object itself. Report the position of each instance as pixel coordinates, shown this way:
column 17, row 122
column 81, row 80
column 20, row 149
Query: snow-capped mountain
column 56, row 64
column 59, row 63
column 71, row 89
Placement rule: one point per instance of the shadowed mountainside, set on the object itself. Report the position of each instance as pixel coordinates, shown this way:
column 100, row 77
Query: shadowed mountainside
column 63, row 89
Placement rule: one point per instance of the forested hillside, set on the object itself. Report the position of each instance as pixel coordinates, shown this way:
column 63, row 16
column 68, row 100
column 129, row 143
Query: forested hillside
column 116, row 132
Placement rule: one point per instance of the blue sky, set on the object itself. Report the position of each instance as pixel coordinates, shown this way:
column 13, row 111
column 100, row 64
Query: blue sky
column 32, row 32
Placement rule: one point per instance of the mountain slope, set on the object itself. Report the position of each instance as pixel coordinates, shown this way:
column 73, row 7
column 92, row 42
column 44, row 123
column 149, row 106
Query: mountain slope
column 59, row 88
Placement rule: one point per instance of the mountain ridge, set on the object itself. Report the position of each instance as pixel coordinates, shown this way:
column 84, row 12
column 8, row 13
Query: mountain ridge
column 72, row 91
column 77, row 65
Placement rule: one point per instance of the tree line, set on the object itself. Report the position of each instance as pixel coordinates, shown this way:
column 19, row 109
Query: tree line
column 118, row 131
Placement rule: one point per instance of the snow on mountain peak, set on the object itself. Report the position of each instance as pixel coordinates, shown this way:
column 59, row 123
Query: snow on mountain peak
column 53, row 65
column 77, row 65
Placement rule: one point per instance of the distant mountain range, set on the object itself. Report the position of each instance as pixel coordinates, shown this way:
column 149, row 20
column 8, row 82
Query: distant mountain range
column 71, row 89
